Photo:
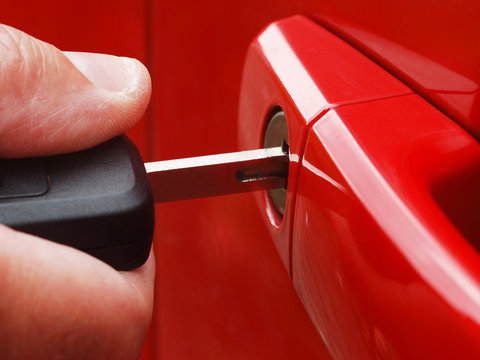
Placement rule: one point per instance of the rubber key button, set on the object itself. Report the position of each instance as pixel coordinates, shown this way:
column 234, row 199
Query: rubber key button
column 22, row 178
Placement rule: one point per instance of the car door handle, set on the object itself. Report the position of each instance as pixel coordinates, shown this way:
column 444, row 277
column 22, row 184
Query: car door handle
column 381, row 211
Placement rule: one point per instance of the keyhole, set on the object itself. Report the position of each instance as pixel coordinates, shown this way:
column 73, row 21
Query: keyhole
column 276, row 134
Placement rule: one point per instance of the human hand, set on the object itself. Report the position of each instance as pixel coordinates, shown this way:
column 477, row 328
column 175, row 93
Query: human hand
column 57, row 302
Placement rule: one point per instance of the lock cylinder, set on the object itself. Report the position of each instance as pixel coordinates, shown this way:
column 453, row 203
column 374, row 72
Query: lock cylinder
column 276, row 134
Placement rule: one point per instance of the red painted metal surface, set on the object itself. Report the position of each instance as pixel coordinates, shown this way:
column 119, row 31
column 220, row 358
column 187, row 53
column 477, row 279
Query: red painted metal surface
column 385, row 232
column 199, row 50
column 432, row 46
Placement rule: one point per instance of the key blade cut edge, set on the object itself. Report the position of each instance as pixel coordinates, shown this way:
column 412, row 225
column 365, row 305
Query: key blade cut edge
column 219, row 174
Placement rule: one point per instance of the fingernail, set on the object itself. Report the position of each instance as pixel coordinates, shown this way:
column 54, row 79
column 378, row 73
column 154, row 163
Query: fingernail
column 113, row 73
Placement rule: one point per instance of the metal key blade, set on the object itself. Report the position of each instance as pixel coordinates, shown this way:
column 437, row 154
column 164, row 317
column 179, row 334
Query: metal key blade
column 220, row 174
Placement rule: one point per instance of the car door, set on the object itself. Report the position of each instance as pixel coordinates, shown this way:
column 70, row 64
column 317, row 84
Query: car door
column 368, row 293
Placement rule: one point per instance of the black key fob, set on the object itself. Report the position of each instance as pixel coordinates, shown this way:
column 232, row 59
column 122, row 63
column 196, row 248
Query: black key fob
column 97, row 200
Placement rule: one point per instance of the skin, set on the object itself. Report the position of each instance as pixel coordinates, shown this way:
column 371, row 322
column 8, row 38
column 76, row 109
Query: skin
column 57, row 302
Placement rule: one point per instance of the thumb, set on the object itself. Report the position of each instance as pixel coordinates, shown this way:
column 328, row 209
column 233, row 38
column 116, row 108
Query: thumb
column 54, row 102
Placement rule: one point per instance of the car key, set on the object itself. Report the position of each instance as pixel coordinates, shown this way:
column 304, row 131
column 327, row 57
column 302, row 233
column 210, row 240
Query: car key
column 100, row 200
